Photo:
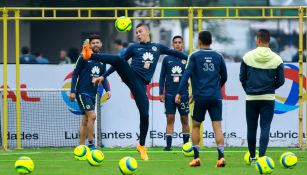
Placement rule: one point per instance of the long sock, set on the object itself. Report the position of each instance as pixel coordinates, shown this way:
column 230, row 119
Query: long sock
column 168, row 140
column 220, row 150
column 196, row 149
column 185, row 137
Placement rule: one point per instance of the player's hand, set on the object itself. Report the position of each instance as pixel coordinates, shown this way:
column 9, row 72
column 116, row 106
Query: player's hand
column 108, row 95
column 72, row 96
column 191, row 99
column 162, row 98
column 177, row 99
column 98, row 80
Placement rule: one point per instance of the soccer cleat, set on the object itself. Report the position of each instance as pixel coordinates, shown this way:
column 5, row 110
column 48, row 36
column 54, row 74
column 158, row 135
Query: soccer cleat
column 91, row 147
column 86, row 50
column 221, row 163
column 167, row 149
column 195, row 162
column 142, row 150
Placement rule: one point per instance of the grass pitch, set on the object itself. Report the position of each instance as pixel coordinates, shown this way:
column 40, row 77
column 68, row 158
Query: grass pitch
column 61, row 162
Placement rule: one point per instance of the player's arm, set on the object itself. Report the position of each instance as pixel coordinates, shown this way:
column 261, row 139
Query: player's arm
column 185, row 78
column 75, row 75
column 280, row 76
column 128, row 54
column 162, row 80
column 243, row 74
column 223, row 72
column 167, row 51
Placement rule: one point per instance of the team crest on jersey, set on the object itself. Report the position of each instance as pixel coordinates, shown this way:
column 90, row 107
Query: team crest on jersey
column 154, row 48
column 184, row 62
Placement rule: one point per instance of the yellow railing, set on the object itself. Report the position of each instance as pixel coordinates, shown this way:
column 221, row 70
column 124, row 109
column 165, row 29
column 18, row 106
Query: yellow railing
column 154, row 13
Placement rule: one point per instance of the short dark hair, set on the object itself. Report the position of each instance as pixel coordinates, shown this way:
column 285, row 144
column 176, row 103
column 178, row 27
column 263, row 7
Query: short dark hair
column 25, row 50
column 143, row 24
column 118, row 42
column 205, row 37
column 263, row 35
column 94, row 36
column 177, row 36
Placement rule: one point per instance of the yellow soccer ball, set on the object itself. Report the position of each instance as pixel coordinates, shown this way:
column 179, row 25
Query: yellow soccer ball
column 123, row 24
column 95, row 157
column 24, row 165
column 81, row 152
column 187, row 149
column 265, row 165
column 288, row 160
column 127, row 165
column 246, row 157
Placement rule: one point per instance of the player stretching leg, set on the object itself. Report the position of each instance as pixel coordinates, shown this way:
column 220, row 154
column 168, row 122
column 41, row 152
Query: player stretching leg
column 208, row 74
column 85, row 91
column 137, row 76
column 171, row 73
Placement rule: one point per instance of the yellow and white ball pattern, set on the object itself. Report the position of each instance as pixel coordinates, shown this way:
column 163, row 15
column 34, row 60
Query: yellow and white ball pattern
column 288, row 160
column 265, row 165
column 24, row 165
column 81, row 152
column 128, row 165
column 95, row 158
column 187, row 149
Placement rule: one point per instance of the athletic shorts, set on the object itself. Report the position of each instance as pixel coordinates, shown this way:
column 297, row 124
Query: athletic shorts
column 170, row 105
column 85, row 102
column 201, row 106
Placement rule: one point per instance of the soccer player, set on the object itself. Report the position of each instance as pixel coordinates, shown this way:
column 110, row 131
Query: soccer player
column 138, row 74
column 171, row 73
column 208, row 74
column 261, row 73
column 84, row 88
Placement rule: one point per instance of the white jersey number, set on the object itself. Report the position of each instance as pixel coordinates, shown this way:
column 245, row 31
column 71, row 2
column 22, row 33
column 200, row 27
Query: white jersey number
column 208, row 67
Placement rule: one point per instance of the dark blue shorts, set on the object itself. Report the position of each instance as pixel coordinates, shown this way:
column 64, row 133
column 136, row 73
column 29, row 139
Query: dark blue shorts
column 201, row 106
column 170, row 105
column 85, row 102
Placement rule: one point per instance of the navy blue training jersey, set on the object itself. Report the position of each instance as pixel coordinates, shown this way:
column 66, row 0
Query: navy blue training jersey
column 82, row 77
column 208, row 74
column 171, row 74
column 145, row 57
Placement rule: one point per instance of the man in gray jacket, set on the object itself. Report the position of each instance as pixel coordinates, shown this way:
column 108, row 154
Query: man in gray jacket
column 261, row 73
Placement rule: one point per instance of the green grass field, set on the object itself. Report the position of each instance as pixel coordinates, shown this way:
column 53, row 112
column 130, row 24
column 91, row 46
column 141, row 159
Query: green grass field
column 61, row 162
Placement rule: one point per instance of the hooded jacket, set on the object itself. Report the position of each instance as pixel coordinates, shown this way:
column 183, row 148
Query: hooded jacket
column 261, row 73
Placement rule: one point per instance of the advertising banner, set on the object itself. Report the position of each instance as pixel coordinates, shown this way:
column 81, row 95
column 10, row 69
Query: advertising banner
column 50, row 119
